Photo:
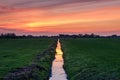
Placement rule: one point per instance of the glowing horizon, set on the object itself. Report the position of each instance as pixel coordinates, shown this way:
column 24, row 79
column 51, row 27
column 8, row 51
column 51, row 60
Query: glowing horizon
column 54, row 17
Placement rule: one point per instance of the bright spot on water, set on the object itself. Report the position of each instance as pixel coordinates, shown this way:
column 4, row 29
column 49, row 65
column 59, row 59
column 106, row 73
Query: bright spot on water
column 58, row 49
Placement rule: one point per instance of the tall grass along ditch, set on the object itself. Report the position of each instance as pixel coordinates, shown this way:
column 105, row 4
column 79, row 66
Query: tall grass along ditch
column 39, row 69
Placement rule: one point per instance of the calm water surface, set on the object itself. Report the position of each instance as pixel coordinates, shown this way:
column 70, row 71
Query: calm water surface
column 58, row 72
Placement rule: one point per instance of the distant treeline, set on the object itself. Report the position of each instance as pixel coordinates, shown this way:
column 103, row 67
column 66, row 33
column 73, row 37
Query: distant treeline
column 87, row 36
column 13, row 35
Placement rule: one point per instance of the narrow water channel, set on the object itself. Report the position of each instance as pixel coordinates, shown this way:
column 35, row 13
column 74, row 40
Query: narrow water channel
column 58, row 72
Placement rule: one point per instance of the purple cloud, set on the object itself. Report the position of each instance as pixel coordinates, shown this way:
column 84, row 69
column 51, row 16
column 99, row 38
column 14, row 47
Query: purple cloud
column 42, row 3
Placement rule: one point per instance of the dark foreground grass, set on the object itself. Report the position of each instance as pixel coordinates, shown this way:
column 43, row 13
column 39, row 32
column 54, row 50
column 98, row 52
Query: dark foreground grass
column 17, row 53
column 92, row 59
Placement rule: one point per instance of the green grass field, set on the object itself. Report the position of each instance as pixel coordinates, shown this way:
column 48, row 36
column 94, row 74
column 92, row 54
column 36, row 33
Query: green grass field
column 16, row 53
column 92, row 58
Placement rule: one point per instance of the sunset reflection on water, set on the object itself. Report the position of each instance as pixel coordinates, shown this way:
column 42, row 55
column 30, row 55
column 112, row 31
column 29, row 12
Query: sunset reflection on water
column 58, row 72
column 58, row 49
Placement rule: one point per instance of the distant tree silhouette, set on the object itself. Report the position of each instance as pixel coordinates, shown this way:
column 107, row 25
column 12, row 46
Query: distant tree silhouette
column 92, row 35
column 114, row 36
column 8, row 35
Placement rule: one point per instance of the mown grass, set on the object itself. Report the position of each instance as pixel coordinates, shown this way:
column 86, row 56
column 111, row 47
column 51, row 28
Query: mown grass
column 17, row 53
column 92, row 58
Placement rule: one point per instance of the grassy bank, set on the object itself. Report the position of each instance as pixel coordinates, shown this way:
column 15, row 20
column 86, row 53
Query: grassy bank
column 92, row 59
column 17, row 53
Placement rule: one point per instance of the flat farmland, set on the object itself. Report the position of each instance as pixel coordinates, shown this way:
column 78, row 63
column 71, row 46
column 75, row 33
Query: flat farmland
column 17, row 53
column 92, row 58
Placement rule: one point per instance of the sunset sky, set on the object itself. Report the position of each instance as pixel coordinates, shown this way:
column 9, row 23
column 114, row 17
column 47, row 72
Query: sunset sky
column 49, row 17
